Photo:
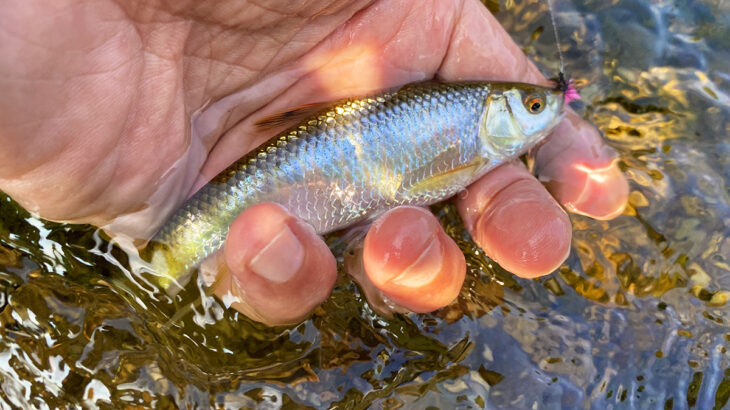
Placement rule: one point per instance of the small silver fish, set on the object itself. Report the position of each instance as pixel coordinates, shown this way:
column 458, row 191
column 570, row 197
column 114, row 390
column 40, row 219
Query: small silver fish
column 357, row 158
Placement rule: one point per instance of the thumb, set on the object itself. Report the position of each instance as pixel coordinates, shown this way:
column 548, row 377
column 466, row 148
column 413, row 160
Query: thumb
column 274, row 268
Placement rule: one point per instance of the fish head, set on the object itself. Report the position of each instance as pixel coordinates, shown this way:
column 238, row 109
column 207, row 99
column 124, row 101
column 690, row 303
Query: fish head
column 517, row 116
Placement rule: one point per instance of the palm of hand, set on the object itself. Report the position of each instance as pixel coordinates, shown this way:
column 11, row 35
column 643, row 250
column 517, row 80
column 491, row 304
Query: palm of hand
column 115, row 86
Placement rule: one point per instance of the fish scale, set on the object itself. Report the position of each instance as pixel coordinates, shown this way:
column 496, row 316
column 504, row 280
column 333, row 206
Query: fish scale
column 352, row 161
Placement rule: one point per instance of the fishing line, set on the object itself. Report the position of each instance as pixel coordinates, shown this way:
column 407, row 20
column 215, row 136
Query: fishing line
column 562, row 83
column 551, row 11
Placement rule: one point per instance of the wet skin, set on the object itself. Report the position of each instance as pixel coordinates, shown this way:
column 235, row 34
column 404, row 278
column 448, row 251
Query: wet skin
column 113, row 112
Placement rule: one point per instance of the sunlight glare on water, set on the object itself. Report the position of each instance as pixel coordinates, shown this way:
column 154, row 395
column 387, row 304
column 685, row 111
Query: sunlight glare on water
column 636, row 318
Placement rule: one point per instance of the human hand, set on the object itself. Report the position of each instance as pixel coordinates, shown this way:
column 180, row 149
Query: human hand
column 115, row 111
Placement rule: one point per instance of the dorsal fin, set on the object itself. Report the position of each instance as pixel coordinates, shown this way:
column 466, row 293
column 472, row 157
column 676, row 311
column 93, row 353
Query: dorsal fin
column 290, row 117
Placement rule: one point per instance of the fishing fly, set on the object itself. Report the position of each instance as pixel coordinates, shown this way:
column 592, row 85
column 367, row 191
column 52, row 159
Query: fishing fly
column 562, row 83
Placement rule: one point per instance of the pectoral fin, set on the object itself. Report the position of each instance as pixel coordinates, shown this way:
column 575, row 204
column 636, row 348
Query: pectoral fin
column 459, row 175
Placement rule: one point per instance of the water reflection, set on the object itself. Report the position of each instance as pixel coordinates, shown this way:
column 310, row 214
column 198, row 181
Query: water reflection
column 637, row 317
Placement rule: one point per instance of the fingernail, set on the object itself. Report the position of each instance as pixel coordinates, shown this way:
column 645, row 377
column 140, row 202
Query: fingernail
column 412, row 261
column 524, row 230
column 582, row 172
column 604, row 193
column 424, row 269
column 399, row 239
column 281, row 258
column 537, row 248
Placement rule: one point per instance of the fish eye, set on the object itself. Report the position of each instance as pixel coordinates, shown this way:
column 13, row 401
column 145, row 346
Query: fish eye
column 534, row 103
